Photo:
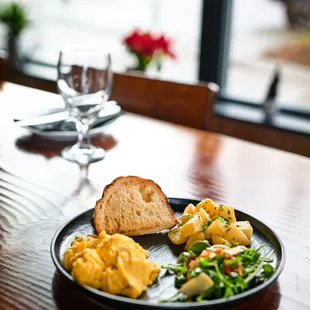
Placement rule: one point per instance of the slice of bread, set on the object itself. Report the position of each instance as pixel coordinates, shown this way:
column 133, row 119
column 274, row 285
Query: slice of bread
column 133, row 206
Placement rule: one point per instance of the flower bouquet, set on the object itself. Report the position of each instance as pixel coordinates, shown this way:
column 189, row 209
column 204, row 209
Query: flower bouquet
column 147, row 47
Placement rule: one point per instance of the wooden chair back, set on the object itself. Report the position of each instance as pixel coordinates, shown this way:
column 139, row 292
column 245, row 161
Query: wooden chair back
column 184, row 104
column 189, row 105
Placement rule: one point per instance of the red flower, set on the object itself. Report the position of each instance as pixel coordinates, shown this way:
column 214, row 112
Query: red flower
column 147, row 41
column 144, row 44
column 163, row 44
column 140, row 43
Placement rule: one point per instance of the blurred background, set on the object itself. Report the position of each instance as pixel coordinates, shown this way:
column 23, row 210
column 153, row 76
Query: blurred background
column 244, row 46
column 260, row 36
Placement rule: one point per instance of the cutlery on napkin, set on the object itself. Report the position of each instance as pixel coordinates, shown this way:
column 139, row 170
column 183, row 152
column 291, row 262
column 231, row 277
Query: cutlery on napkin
column 59, row 118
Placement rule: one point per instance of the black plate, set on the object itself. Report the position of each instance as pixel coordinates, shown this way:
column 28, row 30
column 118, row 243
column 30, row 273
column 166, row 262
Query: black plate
column 162, row 251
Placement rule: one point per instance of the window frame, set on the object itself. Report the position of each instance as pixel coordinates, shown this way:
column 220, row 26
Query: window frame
column 214, row 54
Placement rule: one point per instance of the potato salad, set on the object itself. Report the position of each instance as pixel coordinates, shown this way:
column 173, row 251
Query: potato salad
column 210, row 221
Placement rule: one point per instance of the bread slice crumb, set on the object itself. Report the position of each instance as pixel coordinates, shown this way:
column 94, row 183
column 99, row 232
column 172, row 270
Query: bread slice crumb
column 133, row 206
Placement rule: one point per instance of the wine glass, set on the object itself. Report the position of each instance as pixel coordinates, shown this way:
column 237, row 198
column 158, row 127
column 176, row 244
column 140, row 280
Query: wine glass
column 84, row 82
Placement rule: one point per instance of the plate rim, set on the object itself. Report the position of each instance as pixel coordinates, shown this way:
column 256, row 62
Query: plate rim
column 68, row 135
column 172, row 305
column 61, row 134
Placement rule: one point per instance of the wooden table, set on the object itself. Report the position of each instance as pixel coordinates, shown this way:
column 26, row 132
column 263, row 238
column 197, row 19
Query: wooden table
column 39, row 191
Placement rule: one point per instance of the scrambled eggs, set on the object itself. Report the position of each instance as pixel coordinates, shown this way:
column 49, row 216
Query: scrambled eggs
column 112, row 263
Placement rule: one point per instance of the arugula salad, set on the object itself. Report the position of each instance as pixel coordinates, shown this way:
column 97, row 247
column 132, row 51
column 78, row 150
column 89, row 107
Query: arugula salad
column 207, row 272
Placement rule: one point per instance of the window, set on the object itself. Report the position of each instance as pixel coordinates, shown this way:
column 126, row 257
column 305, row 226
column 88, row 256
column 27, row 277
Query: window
column 250, row 41
column 242, row 44
column 104, row 23
column 263, row 39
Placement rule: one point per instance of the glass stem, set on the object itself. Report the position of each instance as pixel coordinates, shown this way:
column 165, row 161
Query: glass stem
column 83, row 134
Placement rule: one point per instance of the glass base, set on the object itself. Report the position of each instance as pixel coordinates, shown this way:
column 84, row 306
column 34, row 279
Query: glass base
column 83, row 154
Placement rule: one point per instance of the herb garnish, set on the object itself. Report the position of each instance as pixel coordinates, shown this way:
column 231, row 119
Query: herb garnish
column 222, row 207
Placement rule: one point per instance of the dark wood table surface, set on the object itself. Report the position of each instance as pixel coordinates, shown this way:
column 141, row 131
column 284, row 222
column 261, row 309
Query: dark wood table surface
column 39, row 191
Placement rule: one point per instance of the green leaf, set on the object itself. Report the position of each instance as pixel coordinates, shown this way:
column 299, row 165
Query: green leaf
column 142, row 61
column 204, row 262
column 232, row 262
column 268, row 271
column 228, row 292
column 234, row 244
column 185, row 257
column 199, row 246
column 194, row 273
column 177, row 268
column 180, row 279
column 14, row 16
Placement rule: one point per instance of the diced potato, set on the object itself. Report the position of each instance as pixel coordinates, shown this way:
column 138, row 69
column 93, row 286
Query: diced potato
column 176, row 237
column 193, row 238
column 246, row 228
column 190, row 209
column 197, row 285
column 207, row 234
column 227, row 212
column 185, row 217
column 192, row 226
column 209, row 206
column 204, row 215
column 220, row 240
column 235, row 234
column 217, row 228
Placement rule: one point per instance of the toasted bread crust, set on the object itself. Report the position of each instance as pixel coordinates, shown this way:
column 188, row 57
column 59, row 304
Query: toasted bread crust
column 148, row 228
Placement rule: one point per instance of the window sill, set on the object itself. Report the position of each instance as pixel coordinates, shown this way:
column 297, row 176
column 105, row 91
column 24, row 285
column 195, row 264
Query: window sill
column 254, row 115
